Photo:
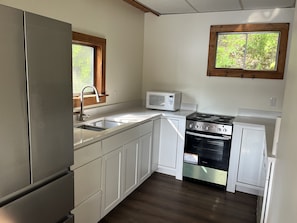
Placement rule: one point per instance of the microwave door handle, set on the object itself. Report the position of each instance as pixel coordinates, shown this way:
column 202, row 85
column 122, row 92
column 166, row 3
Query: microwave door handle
column 209, row 136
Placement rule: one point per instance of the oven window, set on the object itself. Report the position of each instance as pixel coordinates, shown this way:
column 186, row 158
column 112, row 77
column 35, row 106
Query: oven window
column 211, row 152
column 212, row 149
column 205, row 148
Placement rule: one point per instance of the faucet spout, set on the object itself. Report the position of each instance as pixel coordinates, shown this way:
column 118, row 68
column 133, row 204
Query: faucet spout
column 82, row 115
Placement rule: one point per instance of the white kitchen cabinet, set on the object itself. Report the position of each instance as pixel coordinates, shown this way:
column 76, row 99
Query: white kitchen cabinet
column 145, row 149
column 171, row 146
column 251, row 156
column 156, row 144
column 264, row 206
column 130, row 170
column 111, row 180
column 86, row 154
column 88, row 210
column 120, row 160
column 87, row 183
column 246, row 159
column 125, row 164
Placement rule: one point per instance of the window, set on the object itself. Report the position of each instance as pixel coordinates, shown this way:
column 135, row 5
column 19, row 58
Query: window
column 82, row 67
column 248, row 50
column 88, row 67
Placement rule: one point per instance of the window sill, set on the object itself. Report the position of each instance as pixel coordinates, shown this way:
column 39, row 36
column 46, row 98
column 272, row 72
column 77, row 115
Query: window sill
column 89, row 100
column 244, row 73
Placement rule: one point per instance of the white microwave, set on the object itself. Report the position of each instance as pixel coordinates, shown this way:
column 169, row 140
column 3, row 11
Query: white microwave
column 169, row 101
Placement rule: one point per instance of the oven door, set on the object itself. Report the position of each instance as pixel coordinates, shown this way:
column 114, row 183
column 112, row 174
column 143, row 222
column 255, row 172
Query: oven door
column 207, row 150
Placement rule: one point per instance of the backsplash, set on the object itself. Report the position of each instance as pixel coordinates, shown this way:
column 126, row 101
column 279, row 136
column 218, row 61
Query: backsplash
column 105, row 109
column 258, row 113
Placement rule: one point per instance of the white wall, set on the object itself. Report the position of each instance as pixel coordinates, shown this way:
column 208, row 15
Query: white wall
column 284, row 193
column 175, row 58
column 121, row 25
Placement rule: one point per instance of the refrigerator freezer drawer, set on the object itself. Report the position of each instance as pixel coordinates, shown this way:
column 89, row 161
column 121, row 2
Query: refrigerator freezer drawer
column 70, row 219
column 48, row 204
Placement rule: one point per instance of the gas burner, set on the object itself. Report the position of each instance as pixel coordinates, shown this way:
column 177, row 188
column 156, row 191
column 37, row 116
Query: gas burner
column 211, row 118
column 203, row 115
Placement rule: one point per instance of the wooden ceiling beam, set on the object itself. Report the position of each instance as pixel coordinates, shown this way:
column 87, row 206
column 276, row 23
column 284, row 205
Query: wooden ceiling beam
column 141, row 7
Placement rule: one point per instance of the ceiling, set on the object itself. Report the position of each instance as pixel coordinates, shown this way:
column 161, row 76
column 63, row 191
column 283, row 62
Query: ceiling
column 163, row 7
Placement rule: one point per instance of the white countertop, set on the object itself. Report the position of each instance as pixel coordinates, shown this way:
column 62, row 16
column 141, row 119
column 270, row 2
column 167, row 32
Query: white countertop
column 268, row 125
column 130, row 117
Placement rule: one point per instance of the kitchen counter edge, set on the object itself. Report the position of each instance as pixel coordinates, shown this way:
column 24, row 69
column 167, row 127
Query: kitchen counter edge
column 131, row 118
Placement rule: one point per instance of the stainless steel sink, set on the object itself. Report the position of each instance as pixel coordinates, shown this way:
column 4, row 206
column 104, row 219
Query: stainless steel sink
column 100, row 125
column 90, row 127
column 106, row 124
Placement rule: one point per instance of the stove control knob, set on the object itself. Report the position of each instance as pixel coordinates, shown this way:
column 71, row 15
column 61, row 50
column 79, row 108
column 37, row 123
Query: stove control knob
column 191, row 125
column 219, row 129
column 224, row 130
column 206, row 128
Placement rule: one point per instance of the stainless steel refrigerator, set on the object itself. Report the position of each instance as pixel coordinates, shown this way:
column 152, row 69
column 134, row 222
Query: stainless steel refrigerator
column 36, row 129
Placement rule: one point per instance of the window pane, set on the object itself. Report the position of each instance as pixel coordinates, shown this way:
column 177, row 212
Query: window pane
column 249, row 51
column 262, row 51
column 230, row 50
column 82, row 67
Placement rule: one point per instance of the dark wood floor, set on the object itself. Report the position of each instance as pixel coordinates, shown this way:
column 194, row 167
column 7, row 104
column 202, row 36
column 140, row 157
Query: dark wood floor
column 162, row 199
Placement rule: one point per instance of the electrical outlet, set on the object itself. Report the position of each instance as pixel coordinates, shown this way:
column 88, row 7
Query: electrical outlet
column 272, row 101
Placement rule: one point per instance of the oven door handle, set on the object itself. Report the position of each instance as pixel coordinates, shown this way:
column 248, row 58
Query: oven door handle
column 209, row 136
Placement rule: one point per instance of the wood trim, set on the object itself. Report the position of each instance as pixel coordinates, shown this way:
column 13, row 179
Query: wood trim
column 141, row 7
column 85, row 39
column 283, row 28
column 250, row 27
column 88, row 100
column 100, row 66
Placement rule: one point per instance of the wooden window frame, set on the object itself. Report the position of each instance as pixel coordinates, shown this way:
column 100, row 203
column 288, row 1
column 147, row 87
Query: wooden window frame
column 99, row 45
column 283, row 28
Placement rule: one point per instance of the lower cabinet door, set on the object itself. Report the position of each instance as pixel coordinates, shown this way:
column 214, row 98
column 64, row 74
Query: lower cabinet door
column 111, row 180
column 130, row 169
column 145, row 145
column 251, row 157
column 89, row 210
column 168, row 146
column 156, row 144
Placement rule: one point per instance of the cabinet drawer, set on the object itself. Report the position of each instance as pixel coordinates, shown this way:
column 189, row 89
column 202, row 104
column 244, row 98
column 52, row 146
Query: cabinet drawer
column 145, row 128
column 86, row 154
column 89, row 211
column 87, row 181
column 127, row 136
column 118, row 140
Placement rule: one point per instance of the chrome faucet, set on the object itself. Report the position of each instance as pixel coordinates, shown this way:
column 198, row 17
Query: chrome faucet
column 82, row 115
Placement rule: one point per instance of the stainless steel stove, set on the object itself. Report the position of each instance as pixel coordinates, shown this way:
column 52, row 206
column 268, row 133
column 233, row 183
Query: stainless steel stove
column 212, row 123
column 207, row 147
